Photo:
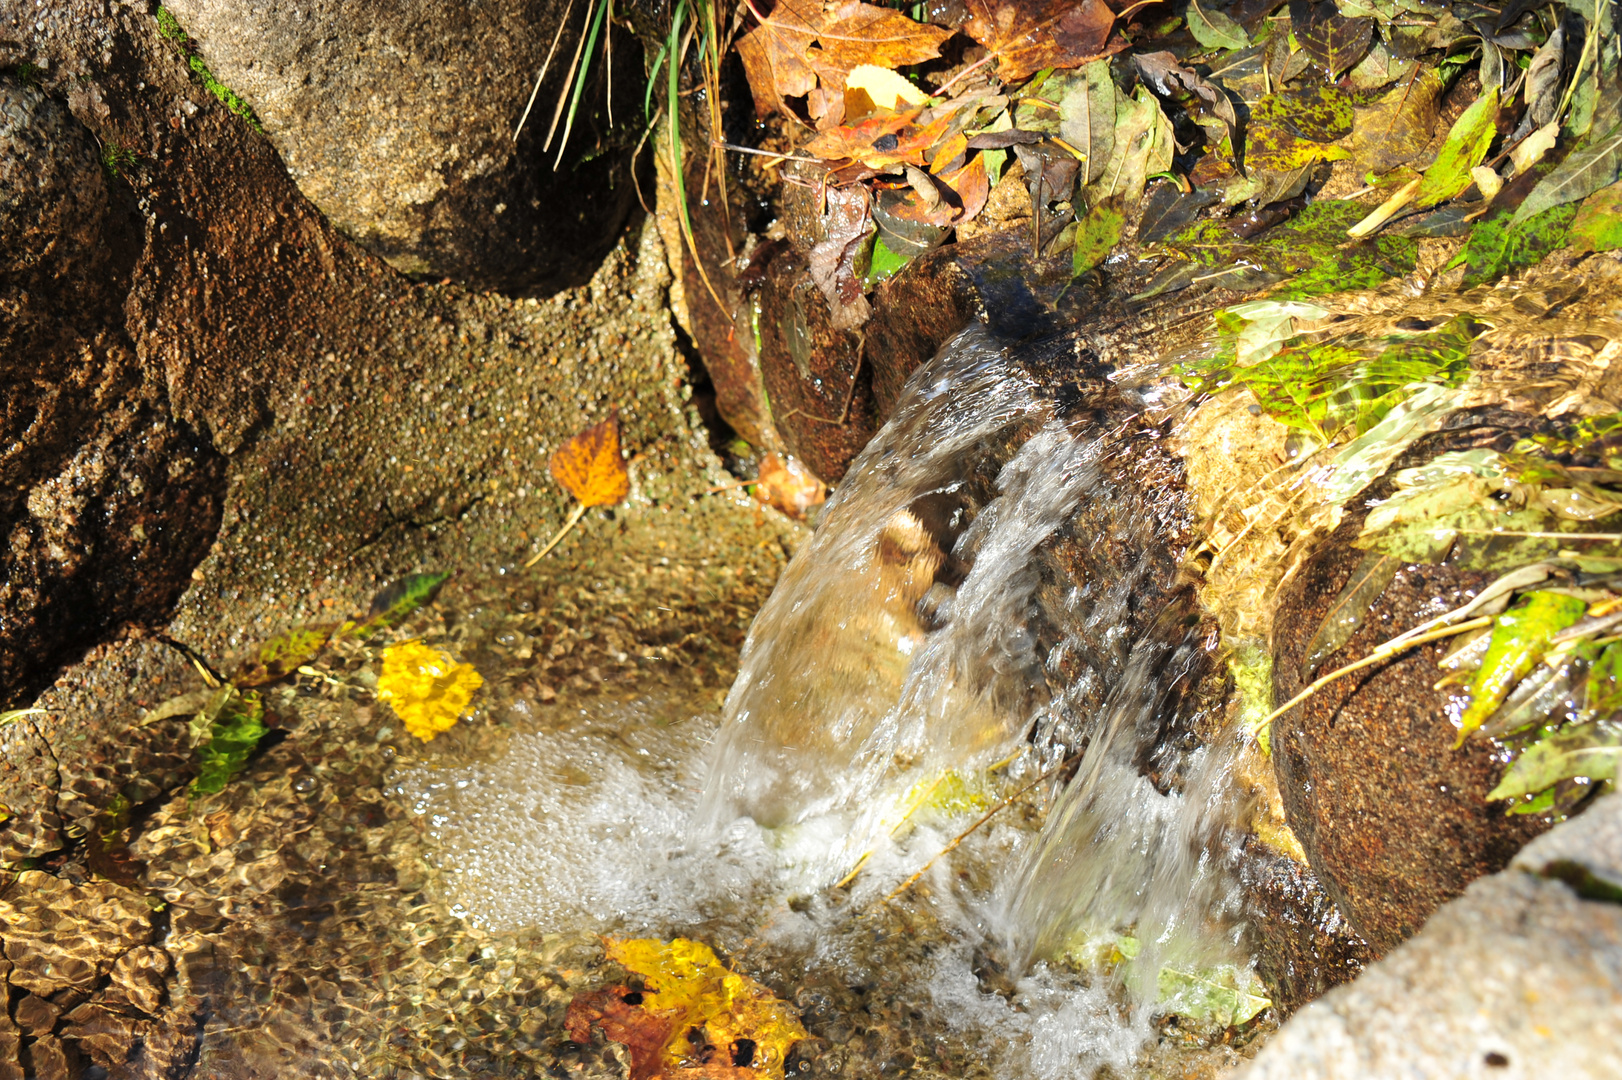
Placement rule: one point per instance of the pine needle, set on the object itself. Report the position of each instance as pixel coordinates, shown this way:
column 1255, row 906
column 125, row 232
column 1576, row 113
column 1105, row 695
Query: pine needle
column 574, row 515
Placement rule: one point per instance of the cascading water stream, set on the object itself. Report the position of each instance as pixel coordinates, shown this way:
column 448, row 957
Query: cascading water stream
column 990, row 598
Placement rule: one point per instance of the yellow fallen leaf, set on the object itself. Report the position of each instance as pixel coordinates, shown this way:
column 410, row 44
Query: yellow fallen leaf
column 427, row 689
column 685, row 981
column 869, row 87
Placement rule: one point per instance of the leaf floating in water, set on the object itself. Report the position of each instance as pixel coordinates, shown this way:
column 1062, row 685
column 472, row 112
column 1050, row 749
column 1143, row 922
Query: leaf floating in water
column 427, row 689
column 693, row 1009
column 1520, row 638
column 234, row 722
column 1351, row 607
column 1598, row 224
column 1587, row 750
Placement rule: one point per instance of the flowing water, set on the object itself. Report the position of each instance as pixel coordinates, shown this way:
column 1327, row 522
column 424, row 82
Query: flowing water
column 896, row 686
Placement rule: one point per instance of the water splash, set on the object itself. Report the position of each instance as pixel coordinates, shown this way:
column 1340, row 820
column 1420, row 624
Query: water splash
column 898, row 643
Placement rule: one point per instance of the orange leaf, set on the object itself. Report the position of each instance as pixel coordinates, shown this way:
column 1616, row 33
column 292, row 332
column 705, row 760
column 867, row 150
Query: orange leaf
column 953, row 149
column 972, row 185
column 882, row 140
column 590, row 466
column 865, row 34
column 1028, row 35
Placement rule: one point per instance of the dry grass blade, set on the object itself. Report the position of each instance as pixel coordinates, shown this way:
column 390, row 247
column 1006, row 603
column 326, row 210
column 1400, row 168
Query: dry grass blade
column 1384, row 652
column 966, row 833
column 567, row 11
column 569, row 523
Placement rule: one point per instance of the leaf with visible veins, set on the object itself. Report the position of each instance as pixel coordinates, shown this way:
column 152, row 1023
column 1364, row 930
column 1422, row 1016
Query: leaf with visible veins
column 590, row 467
column 1028, row 35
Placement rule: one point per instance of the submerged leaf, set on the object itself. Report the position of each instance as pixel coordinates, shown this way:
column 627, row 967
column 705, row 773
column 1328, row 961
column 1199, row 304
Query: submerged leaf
column 234, row 732
column 702, row 1005
column 1587, row 750
column 1499, row 245
column 1597, row 225
column 1367, row 583
column 1296, row 128
column 590, row 467
column 1097, row 235
column 1520, row 638
column 1227, row 997
column 427, row 689
column 282, row 655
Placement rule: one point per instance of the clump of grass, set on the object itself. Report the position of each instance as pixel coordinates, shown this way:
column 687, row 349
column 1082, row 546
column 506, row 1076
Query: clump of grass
column 171, row 29
column 116, row 160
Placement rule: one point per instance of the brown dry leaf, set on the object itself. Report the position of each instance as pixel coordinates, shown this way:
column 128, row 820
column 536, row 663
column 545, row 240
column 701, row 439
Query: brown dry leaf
column 802, row 48
column 1028, row 35
column 864, row 34
column 832, row 263
column 590, row 466
column 1397, row 129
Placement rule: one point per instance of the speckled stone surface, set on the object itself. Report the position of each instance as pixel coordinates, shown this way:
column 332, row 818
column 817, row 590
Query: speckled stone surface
column 397, row 120
column 1519, row 978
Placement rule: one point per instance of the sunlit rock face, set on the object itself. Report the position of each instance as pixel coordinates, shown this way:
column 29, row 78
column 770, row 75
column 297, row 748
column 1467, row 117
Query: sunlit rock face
column 398, row 121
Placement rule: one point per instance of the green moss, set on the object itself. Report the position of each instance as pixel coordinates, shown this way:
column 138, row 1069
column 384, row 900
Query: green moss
column 172, row 30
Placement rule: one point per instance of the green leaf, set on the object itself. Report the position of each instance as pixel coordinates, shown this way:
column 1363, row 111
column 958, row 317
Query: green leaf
column 1598, row 224
column 1591, row 166
column 234, row 735
column 1225, row 997
column 394, row 604
column 1098, row 234
column 884, row 263
column 1498, row 245
column 1603, row 695
column 1333, row 40
column 1214, row 30
column 1465, row 148
column 1520, row 638
column 1367, row 583
column 1589, row 750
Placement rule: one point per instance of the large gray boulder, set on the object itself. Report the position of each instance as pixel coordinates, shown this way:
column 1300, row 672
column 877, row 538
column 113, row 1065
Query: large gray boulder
column 1520, row 977
column 396, row 118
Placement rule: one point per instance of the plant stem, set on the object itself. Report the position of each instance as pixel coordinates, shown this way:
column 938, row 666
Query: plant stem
column 574, row 516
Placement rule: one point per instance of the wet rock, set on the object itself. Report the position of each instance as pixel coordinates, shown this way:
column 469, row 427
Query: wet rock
column 106, row 503
column 59, row 936
column 1302, row 942
column 1519, row 977
column 397, row 120
column 1393, row 820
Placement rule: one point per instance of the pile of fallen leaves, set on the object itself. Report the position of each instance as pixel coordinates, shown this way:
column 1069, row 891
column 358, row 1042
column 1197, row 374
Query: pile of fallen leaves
column 1309, row 144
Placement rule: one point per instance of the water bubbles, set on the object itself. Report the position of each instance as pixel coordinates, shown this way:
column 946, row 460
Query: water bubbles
column 509, row 638
column 305, row 784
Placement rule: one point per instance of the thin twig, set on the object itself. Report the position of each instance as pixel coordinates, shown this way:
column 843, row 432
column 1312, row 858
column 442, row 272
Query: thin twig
column 568, row 80
column 764, row 153
column 964, row 835
column 574, row 516
column 542, row 76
